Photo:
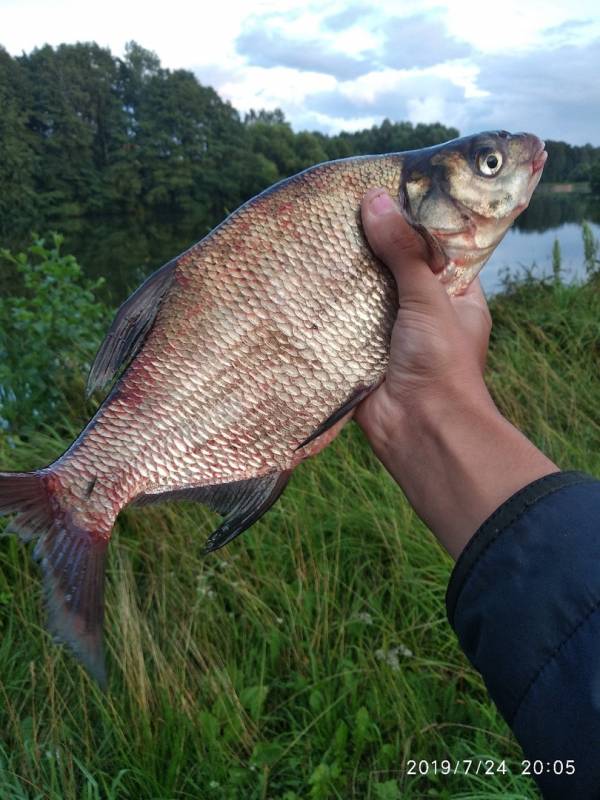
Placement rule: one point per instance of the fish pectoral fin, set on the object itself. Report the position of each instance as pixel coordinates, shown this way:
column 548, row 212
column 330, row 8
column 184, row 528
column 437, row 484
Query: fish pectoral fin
column 242, row 503
column 357, row 395
column 129, row 328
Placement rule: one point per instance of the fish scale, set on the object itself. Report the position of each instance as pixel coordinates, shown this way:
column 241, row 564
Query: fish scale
column 248, row 352
column 271, row 420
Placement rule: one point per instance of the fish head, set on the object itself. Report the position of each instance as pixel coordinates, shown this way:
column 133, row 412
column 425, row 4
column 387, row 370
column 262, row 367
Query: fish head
column 464, row 195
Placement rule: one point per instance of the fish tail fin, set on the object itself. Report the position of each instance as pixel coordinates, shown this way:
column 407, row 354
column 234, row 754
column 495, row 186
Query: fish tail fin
column 72, row 561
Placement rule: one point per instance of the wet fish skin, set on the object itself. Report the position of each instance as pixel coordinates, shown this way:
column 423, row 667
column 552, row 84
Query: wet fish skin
column 241, row 349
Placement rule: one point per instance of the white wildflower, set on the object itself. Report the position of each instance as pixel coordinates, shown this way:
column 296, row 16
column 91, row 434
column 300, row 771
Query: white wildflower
column 203, row 588
column 391, row 656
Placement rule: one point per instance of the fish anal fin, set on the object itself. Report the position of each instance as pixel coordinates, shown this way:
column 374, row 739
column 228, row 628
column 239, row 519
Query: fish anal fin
column 242, row 503
column 196, row 494
column 129, row 327
column 343, row 411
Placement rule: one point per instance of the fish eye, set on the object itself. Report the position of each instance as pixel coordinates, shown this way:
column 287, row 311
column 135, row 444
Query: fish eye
column 489, row 162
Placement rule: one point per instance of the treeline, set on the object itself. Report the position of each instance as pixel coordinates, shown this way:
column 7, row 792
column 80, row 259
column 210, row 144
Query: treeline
column 570, row 163
column 83, row 132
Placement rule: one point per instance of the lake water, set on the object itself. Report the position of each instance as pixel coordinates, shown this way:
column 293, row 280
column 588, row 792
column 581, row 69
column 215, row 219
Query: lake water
column 528, row 244
column 124, row 251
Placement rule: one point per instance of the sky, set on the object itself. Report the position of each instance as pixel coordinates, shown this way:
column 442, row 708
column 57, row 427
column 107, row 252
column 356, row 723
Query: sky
column 330, row 66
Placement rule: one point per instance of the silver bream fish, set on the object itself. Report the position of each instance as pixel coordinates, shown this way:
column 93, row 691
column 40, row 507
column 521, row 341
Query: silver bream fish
column 246, row 354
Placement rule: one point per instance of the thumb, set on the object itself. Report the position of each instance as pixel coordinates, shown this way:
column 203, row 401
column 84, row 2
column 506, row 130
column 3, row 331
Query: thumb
column 402, row 249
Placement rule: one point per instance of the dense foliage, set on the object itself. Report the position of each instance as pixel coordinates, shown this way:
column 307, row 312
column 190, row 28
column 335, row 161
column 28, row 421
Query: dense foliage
column 595, row 178
column 84, row 132
column 570, row 163
column 50, row 327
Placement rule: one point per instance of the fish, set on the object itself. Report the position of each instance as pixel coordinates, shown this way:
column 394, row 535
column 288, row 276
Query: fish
column 247, row 353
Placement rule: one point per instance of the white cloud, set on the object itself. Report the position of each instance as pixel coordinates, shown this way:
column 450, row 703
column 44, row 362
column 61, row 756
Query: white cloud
column 514, row 24
column 348, row 64
column 259, row 87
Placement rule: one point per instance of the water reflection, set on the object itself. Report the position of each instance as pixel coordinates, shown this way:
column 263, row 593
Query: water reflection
column 529, row 242
column 125, row 250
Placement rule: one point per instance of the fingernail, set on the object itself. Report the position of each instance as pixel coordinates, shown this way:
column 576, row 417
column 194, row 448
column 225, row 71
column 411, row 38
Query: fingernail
column 381, row 204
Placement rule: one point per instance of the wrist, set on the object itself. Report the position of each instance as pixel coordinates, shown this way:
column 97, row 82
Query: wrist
column 454, row 455
column 395, row 425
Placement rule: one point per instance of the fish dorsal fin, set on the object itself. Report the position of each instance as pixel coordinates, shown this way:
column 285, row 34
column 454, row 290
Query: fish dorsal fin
column 129, row 328
column 241, row 502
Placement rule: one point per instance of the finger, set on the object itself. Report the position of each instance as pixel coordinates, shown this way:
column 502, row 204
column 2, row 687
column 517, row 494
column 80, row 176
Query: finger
column 401, row 248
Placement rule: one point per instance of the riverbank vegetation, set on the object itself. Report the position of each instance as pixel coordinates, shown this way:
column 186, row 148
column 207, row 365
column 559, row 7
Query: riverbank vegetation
column 309, row 659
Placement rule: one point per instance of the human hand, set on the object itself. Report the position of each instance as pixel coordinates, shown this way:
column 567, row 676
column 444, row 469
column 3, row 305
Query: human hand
column 432, row 421
column 439, row 343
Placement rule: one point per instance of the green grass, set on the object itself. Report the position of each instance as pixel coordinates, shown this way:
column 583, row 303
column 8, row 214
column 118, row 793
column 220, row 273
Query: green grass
column 309, row 659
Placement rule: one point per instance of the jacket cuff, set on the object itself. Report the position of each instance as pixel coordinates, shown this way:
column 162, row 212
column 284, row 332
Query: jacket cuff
column 494, row 526
column 524, row 600
column 525, row 578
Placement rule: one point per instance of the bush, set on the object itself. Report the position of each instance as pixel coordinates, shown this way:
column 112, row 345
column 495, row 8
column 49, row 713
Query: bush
column 50, row 327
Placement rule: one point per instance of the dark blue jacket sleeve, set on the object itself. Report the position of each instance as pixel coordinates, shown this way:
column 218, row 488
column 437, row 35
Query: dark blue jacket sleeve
column 524, row 600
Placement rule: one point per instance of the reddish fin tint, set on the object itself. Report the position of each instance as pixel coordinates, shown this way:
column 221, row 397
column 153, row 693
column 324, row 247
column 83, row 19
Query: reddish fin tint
column 72, row 560
column 24, row 494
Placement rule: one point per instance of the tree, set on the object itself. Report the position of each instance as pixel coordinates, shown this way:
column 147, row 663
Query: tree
column 18, row 159
column 269, row 135
column 595, row 178
column 78, row 121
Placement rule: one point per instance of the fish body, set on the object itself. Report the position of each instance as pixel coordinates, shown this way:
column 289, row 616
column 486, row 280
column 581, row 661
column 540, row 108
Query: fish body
column 249, row 351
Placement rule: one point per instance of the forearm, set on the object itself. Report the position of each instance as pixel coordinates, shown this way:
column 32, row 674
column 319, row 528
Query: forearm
column 456, row 458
